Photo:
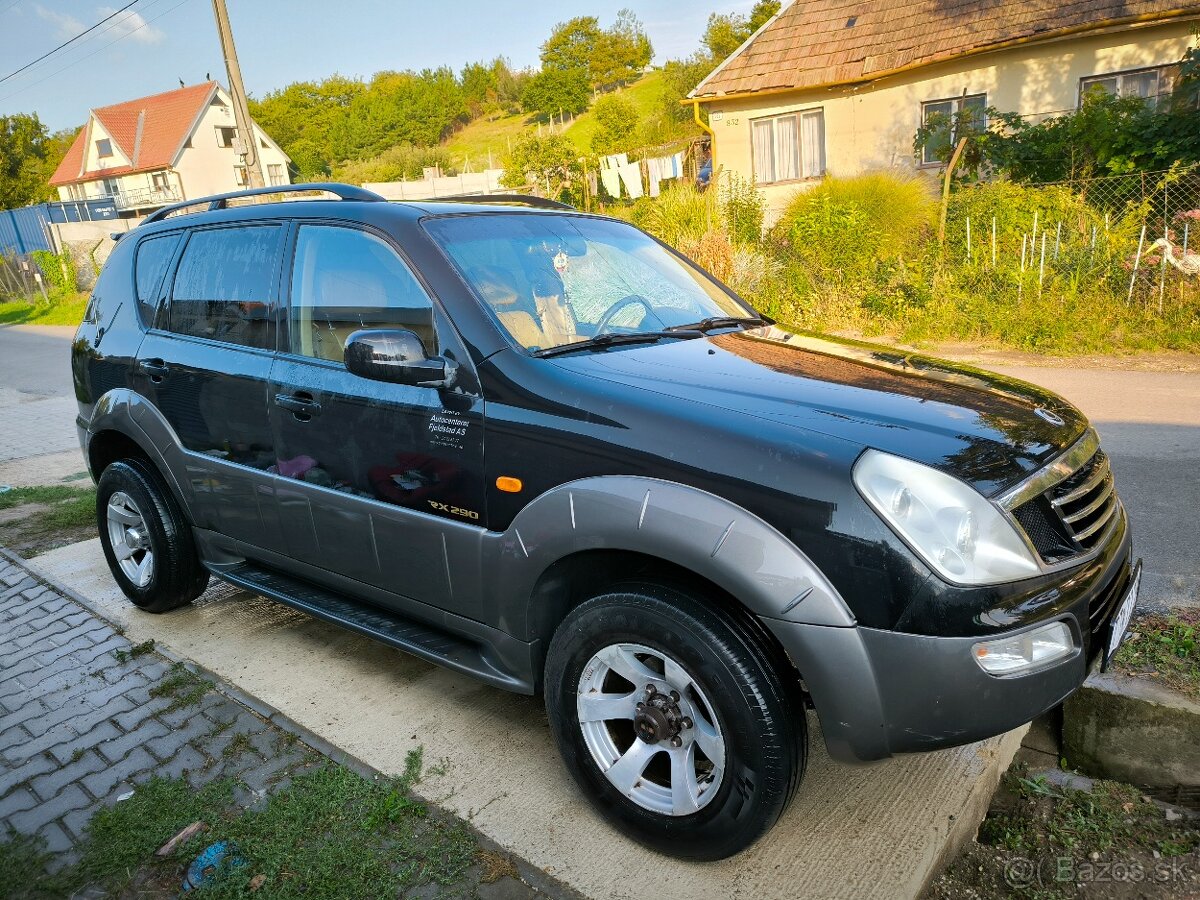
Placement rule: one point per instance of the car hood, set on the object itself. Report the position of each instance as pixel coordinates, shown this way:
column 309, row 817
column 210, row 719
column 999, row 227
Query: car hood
column 986, row 429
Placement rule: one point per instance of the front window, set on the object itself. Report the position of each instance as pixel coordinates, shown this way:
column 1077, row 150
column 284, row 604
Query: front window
column 945, row 119
column 1145, row 83
column 788, row 148
column 551, row 280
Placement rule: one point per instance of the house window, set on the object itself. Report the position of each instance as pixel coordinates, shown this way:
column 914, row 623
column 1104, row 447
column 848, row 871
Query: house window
column 1149, row 84
column 111, row 188
column 104, row 148
column 788, row 148
column 226, row 135
column 947, row 116
column 239, row 175
column 275, row 173
column 160, row 181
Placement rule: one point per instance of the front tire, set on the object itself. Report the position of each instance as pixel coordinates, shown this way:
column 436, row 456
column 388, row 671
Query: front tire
column 673, row 719
column 146, row 540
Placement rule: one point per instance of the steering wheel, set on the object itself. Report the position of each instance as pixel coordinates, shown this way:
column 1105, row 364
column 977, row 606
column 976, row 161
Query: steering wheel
column 630, row 300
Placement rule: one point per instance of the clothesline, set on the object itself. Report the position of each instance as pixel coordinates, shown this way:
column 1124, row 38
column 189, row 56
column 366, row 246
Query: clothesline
column 617, row 173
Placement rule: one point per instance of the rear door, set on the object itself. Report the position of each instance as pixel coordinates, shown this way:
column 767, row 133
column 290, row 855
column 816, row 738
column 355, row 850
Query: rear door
column 381, row 483
column 206, row 364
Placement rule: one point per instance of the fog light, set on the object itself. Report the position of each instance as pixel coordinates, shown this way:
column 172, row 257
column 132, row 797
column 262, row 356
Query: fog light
column 1023, row 652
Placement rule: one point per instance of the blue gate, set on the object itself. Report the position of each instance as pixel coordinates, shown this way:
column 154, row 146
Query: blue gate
column 25, row 230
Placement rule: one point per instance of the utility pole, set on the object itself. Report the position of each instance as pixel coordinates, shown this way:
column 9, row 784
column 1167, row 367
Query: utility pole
column 241, row 112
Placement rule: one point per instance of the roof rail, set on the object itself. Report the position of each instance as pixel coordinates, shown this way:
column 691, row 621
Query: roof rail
column 221, row 201
column 527, row 199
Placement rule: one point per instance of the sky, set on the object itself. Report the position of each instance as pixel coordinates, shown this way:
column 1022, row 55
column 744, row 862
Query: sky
column 153, row 45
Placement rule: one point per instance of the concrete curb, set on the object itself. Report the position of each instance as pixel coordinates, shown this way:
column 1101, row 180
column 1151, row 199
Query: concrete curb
column 533, row 876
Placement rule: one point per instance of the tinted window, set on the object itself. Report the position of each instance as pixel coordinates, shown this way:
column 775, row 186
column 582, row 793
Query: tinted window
column 224, row 286
column 153, row 257
column 344, row 280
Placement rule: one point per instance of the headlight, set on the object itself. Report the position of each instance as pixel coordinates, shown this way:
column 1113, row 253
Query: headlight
column 948, row 523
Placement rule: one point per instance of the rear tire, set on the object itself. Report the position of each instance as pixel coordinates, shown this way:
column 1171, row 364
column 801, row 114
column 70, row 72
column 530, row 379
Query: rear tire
column 700, row 773
column 147, row 542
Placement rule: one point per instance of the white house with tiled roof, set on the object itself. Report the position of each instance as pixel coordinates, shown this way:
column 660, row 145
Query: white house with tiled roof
column 157, row 150
column 842, row 86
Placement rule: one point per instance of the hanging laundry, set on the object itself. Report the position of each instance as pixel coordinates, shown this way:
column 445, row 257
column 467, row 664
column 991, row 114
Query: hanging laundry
column 677, row 165
column 631, row 178
column 616, row 161
column 611, row 179
column 653, row 175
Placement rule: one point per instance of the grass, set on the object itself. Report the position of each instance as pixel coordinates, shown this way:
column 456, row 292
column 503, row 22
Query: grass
column 63, row 311
column 329, row 834
column 1036, row 831
column 57, row 514
column 1166, row 648
column 182, row 685
column 134, row 652
column 474, row 141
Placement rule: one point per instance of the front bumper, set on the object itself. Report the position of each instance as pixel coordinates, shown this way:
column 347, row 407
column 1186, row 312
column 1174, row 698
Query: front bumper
column 879, row 692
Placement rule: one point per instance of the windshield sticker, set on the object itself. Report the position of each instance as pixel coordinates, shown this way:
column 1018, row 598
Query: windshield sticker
column 561, row 261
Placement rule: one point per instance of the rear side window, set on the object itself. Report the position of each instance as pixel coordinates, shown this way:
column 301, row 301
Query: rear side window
column 153, row 257
column 225, row 286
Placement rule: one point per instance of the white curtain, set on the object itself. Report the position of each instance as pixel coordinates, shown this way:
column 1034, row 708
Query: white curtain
column 812, row 142
column 764, row 156
column 787, row 149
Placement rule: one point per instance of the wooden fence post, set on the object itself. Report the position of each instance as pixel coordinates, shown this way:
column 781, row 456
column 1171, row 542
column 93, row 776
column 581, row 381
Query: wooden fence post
column 946, row 189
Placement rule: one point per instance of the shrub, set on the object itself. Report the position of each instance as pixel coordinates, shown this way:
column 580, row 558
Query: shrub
column 616, row 121
column 878, row 215
column 58, row 272
column 395, row 164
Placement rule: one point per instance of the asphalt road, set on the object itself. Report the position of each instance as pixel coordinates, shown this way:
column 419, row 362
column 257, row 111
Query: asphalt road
column 1149, row 423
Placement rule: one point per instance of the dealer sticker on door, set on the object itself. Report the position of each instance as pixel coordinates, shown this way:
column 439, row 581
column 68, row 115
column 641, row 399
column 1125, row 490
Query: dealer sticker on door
column 1120, row 622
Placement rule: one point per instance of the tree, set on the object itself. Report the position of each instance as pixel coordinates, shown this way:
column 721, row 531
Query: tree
column 549, row 163
column 569, row 47
column 621, row 52
column 479, row 87
column 725, row 33
column 417, row 108
column 552, row 91
column 29, row 154
column 616, row 121
column 303, row 117
column 680, row 76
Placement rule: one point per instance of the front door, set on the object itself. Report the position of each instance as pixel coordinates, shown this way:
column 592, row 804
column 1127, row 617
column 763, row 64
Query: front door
column 206, row 363
column 380, row 482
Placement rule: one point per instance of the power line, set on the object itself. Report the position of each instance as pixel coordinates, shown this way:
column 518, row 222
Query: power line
column 96, row 35
column 67, row 42
column 94, row 52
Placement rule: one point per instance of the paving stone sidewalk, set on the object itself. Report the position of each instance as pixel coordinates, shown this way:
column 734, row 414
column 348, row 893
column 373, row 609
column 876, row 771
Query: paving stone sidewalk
column 80, row 728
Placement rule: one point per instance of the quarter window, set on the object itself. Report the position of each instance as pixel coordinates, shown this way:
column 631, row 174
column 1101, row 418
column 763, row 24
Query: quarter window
column 788, row 148
column 153, row 257
column 224, row 288
column 947, row 118
column 344, row 280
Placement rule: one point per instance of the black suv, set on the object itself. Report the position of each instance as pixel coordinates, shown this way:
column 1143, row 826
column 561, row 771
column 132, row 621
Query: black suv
column 541, row 448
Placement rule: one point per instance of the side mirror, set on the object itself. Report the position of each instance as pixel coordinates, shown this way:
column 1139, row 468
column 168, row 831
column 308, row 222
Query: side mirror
column 397, row 356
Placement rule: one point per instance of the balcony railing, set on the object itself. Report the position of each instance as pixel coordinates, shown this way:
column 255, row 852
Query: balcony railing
column 146, row 198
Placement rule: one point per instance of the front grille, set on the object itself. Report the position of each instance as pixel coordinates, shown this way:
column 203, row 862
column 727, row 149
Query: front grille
column 1086, row 501
column 1071, row 518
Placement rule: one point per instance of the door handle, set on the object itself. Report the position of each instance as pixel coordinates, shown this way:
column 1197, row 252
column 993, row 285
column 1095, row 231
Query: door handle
column 301, row 404
column 155, row 368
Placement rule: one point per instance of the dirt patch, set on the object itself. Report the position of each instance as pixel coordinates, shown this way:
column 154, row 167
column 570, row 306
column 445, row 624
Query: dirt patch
column 36, row 519
column 1043, row 840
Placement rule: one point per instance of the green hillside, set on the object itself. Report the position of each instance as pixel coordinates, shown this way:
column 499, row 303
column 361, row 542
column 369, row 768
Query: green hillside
column 472, row 143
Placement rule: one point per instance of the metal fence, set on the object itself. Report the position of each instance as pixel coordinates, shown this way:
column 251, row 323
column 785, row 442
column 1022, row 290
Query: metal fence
column 25, row 230
column 1159, row 200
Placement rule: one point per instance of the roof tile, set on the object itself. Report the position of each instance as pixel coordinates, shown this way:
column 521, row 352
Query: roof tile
column 810, row 44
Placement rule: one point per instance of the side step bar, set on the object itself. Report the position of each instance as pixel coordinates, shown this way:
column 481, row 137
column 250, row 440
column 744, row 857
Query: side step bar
column 425, row 641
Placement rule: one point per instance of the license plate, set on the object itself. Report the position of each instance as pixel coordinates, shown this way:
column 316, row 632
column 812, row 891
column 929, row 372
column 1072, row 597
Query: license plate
column 1120, row 622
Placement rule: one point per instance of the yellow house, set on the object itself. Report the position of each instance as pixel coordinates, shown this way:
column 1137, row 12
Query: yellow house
column 146, row 153
column 842, row 87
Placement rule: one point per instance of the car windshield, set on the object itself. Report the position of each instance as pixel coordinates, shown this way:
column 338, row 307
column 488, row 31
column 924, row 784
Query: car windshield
column 555, row 280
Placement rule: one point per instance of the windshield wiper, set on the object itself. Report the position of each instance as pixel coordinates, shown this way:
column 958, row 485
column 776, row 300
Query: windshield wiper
column 721, row 322
column 608, row 340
